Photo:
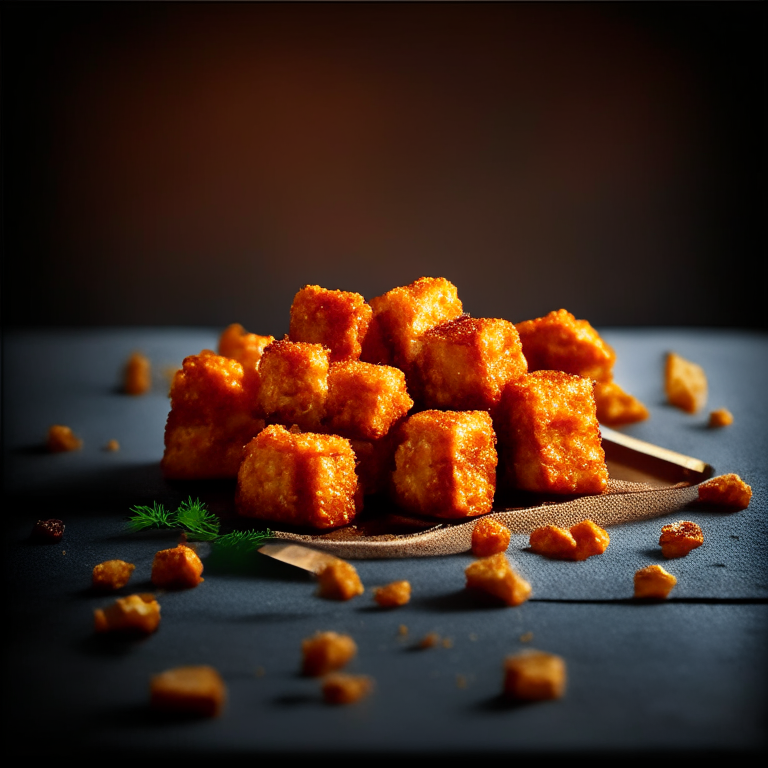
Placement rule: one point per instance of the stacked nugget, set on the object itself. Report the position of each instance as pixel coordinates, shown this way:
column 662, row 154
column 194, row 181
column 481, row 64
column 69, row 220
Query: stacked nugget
column 405, row 395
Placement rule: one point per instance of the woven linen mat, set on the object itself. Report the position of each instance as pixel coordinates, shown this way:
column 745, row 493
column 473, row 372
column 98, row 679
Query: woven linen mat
column 623, row 502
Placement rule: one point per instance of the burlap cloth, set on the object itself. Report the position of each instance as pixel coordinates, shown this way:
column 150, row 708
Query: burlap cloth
column 623, row 502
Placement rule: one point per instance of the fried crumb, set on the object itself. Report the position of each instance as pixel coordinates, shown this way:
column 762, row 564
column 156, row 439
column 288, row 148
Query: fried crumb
column 653, row 582
column 685, row 383
column 429, row 641
column 461, row 681
column 196, row 691
column 526, row 638
column 402, row 630
column 393, row 595
column 726, row 491
column 326, row 652
column 447, row 642
column 340, row 688
column 722, row 417
column 339, row 581
column 678, row 539
column 111, row 575
column 61, row 439
column 534, row 676
column 137, row 375
column 112, row 446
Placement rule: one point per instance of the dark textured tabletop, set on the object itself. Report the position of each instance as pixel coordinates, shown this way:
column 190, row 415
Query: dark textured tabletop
column 683, row 677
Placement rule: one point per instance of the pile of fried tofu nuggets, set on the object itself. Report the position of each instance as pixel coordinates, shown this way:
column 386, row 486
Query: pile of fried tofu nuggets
column 404, row 395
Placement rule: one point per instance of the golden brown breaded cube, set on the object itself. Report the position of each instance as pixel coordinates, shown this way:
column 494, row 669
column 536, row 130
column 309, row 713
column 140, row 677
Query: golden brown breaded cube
column 685, row 383
column 293, row 383
column 489, row 537
column 238, row 344
column 722, row 417
column 560, row 342
column 196, row 690
column 300, row 479
column 375, row 462
column 549, row 436
column 339, row 688
column 61, row 439
column 111, row 575
column 590, row 539
column 653, row 582
column 534, row 676
column 445, row 464
column 336, row 319
column 339, row 581
column 325, row 652
column 726, row 491
column 177, row 568
column 615, row 406
column 393, row 595
column 137, row 377
column 554, row 542
column 678, row 539
column 465, row 363
column 135, row 614
column 365, row 400
column 402, row 315
column 495, row 576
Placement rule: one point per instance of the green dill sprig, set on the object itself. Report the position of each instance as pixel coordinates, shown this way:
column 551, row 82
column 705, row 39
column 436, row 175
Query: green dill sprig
column 245, row 541
column 197, row 520
column 156, row 516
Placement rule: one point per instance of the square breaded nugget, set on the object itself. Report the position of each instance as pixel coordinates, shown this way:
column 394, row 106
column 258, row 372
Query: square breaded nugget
column 445, row 464
column 403, row 314
column 247, row 348
column 294, row 383
column 464, row 364
column 337, row 319
column 300, row 479
column 549, row 438
column 560, row 342
column 365, row 400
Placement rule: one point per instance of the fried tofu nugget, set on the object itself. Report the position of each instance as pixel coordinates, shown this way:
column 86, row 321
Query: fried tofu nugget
column 728, row 491
column 336, row 319
column 685, row 383
column 549, row 436
column 247, row 348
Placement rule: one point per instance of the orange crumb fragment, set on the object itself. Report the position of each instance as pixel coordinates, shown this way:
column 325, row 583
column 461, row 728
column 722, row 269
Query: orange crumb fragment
column 590, row 538
column 685, row 383
column 392, row 595
column 495, row 576
column 678, row 539
column 177, row 568
column 196, row 690
column 339, row 688
column 138, row 375
column 429, row 641
column 616, row 407
column 339, row 581
column 534, row 676
column 138, row 614
column 61, row 438
column 112, row 574
column 112, row 446
column 325, row 652
column 553, row 541
column 653, row 582
column 489, row 537
column 722, row 417
column 726, row 491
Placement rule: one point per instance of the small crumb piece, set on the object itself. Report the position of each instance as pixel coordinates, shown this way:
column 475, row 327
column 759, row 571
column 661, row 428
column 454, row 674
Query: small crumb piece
column 722, row 417
column 489, row 537
column 189, row 690
column 48, row 531
column 494, row 576
column 339, row 581
column 61, row 438
column 527, row 637
column 461, row 681
column 685, row 383
column 402, row 630
column 534, row 676
column 653, row 582
column 112, row 446
column 112, row 574
column 590, row 538
column 553, row 541
column 726, row 491
column 339, row 688
column 429, row 641
column 138, row 375
column 394, row 594
column 326, row 652
column 616, row 407
column 447, row 642
column 139, row 614
column 678, row 539
column 177, row 568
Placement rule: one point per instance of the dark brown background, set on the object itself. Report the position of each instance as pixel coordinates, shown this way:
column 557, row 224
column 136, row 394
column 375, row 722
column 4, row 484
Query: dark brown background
column 196, row 163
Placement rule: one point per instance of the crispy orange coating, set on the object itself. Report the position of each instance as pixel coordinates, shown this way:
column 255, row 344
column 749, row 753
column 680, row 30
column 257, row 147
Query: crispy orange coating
column 135, row 614
column 590, row 539
column 615, row 406
column 61, row 439
column 685, row 383
column 534, row 676
column 247, row 348
column 336, row 319
column 392, row 595
column 177, row 568
column 678, row 539
column 339, row 581
column 549, row 436
column 365, row 400
column 560, row 342
column 137, row 375
column 111, row 575
column 303, row 479
column 402, row 315
column 553, row 541
column 653, row 582
column 339, row 688
column 325, row 652
column 726, row 491
column 489, row 537
column 196, row 690
column 445, row 464
column 464, row 364
column 294, row 383
column 495, row 576
column 722, row 417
